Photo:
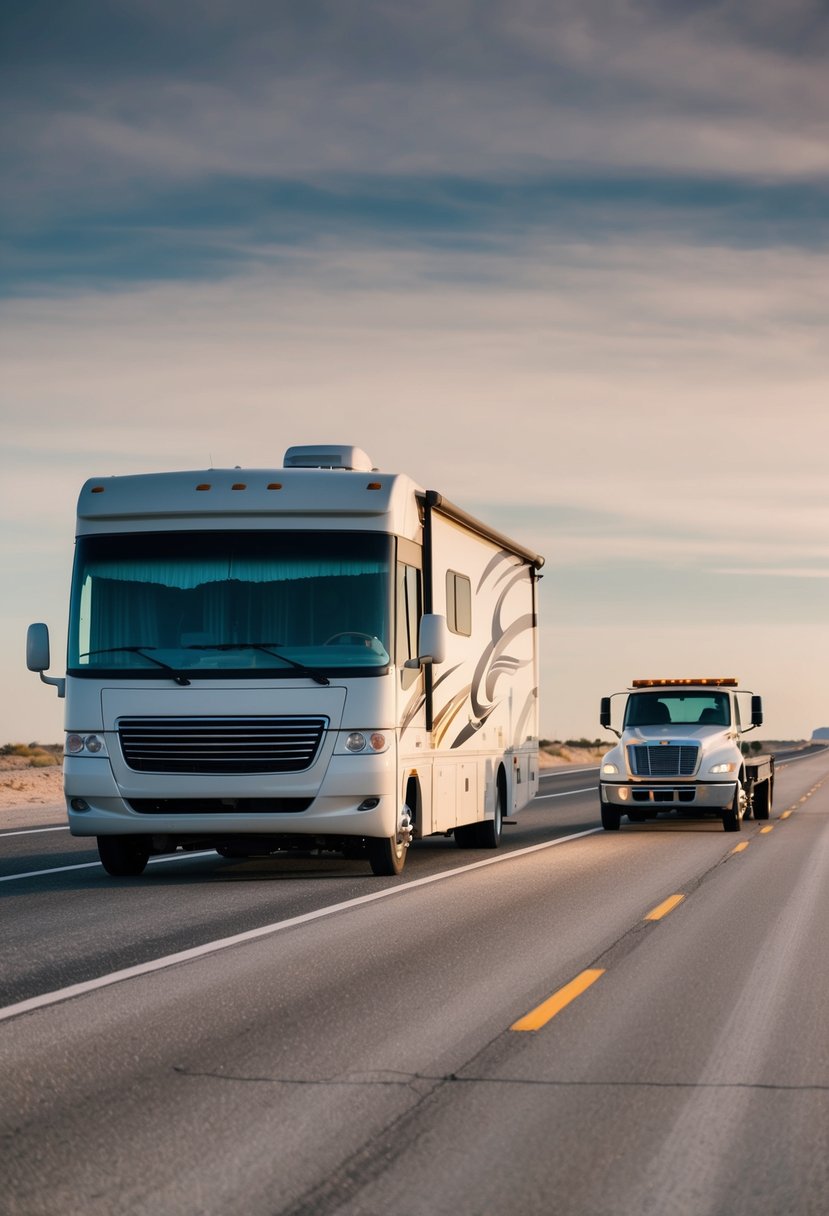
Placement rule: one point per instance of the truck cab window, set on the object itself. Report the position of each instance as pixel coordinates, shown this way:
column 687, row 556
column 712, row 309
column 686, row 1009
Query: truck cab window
column 677, row 709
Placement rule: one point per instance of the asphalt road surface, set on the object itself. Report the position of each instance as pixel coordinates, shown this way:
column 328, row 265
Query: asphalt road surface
column 579, row 1022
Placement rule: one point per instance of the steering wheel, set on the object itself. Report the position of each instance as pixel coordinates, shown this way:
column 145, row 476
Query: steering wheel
column 354, row 634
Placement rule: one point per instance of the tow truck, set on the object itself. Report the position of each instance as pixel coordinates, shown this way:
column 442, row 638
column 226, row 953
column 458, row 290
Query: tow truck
column 679, row 750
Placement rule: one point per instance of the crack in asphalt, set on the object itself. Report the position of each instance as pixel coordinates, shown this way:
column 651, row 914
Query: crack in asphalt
column 410, row 1080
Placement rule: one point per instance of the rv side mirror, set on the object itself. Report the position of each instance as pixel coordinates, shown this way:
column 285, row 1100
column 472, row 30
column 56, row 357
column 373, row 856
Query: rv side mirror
column 432, row 642
column 37, row 647
column 756, row 711
column 37, row 656
column 604, row 713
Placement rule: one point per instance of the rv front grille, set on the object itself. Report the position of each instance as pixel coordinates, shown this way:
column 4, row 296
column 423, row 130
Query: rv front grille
column 221, row 745
column 663, row 760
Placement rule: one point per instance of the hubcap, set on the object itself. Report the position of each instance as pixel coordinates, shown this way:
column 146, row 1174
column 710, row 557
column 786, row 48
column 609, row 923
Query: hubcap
column 404, row 828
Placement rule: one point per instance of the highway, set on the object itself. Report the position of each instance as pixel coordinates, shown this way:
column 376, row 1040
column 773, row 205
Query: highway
column 579, row 1023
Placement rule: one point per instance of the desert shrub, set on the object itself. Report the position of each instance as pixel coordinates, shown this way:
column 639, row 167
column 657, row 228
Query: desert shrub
column 39, row 755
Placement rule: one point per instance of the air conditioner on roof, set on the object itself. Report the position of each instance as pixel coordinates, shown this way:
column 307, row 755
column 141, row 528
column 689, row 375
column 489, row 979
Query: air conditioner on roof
column 329, row 456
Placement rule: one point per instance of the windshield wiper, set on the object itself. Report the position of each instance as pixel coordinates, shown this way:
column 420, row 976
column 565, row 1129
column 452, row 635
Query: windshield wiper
column 266, row 648
column 142, row 650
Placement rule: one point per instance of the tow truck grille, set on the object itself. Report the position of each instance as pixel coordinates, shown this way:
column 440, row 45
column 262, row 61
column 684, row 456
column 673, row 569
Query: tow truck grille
column 221, row 745
column 665, row 760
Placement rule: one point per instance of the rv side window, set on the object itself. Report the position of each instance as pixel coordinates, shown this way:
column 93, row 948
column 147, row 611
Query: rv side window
column 409, row 607
column 458, row 603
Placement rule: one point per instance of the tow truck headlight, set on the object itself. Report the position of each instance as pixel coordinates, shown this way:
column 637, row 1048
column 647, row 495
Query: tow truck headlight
column 610, row 770
column 84, row 745
column 722, row 768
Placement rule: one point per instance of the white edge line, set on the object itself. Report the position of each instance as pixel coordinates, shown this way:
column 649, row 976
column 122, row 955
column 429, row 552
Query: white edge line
column 85, row 865
column 34, row 831
column 565, row 772
column 223, row 943
column 588, row 789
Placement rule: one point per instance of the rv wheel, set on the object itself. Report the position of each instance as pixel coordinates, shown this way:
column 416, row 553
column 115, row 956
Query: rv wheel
column 386, row 856
column 488, row 831
column 123, row 856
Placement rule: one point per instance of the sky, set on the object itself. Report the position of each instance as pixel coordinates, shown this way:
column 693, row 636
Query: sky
column 565, row 261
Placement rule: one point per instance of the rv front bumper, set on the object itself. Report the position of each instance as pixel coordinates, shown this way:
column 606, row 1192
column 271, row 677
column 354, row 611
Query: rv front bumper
column 691, row 795
column 364, row 803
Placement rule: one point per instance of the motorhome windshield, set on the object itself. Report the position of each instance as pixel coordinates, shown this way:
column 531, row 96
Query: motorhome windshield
column 679, row 708
column 228, row 603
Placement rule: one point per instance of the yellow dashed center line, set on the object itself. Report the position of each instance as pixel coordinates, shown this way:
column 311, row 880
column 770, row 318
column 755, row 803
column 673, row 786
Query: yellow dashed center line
column 665, row 907
column 554, row 1004
column 543, row 1013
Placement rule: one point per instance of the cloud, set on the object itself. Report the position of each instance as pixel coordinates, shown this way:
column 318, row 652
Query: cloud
column 109, row 106
column 644, row 401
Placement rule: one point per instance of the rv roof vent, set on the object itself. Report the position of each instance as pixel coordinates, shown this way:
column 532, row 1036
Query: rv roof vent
column 331, row 456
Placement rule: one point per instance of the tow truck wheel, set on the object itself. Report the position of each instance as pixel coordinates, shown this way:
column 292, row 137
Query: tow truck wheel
column 386, row 856
column 762, row 800
column 611, row 817
column 731, row 820
column 123, row 856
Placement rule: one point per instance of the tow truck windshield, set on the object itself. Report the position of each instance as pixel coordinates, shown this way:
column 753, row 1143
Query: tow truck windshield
column 677, row 708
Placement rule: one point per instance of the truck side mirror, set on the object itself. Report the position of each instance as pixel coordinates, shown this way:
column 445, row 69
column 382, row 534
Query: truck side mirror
column 604, row 713
column 756, row 711
column 432, row 640
column 37, row 647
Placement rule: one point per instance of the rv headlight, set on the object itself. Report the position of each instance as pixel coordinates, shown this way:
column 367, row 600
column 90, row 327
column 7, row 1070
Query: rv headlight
column 357, row 741
column 84, row 745
column 722, row 768
column 610, row 770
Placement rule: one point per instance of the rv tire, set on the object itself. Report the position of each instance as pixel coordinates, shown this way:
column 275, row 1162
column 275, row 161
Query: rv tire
column 123, row 856
column 386, row 856
column 486, row 833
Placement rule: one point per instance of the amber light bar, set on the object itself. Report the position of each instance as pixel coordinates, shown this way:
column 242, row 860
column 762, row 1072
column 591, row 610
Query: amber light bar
column 719, row 681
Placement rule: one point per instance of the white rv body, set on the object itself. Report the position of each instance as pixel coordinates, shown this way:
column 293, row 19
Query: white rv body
column 183, row 730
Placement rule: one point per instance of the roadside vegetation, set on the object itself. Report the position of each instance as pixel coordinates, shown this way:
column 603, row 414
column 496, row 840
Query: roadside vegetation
column 568, row 751
column 31, row 755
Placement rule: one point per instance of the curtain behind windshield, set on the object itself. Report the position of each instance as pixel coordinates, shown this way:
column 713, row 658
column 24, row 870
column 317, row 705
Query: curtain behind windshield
column 287, row 590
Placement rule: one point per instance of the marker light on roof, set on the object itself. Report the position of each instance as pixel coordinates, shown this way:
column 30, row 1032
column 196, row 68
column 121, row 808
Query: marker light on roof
column 717, row 681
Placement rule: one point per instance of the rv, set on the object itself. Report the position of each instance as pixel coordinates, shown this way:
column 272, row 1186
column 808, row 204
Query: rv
column 317, row 657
